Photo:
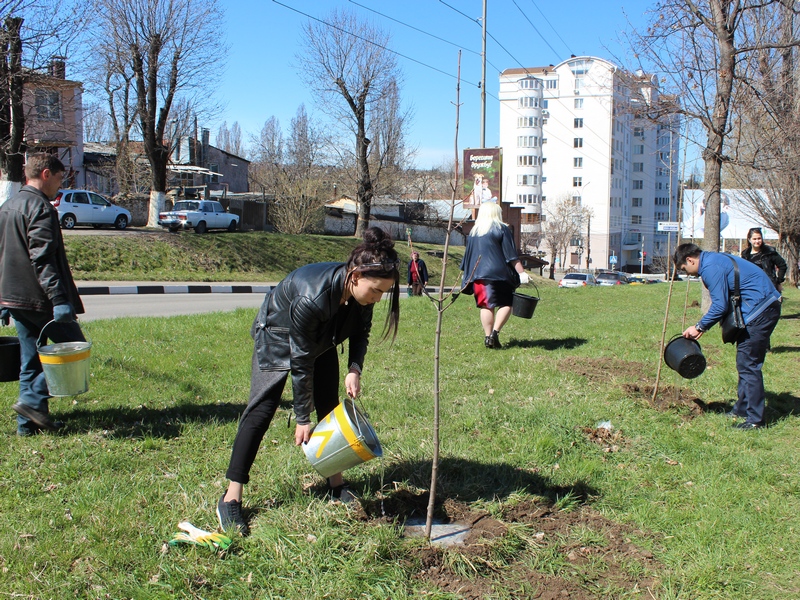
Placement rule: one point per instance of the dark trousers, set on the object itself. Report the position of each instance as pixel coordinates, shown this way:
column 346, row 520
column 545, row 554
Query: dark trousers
column 266, row 388
column 33, row 390
column 751, row 349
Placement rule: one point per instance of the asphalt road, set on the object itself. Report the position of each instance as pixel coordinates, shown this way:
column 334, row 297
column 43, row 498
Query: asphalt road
column 164, row 305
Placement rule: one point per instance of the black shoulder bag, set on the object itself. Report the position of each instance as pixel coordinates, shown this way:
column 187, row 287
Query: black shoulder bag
column 732, row 323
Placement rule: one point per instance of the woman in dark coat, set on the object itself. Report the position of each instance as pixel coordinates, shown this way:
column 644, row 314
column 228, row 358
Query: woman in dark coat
column 766, row 257
column 492, row 270
column 300, row 323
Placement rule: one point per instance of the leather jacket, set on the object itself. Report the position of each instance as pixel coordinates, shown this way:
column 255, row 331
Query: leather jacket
column 772, row 263
column 301, row 319
column 34, row 272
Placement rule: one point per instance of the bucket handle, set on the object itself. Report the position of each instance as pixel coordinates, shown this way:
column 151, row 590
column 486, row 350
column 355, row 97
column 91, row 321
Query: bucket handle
column 358, row 412
column 39, row 342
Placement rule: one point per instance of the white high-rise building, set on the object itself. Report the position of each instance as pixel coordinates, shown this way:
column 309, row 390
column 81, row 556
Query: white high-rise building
column 593, row 150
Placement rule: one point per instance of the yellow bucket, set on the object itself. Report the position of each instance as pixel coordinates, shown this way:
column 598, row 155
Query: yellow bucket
column 342, row 440
column 66, row 366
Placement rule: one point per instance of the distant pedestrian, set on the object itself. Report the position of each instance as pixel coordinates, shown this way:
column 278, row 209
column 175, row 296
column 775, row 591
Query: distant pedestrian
column 300, row 323
column 766, row 257
column 36, row 284
column 492, row 270
column 417, row 274
column 761, row 309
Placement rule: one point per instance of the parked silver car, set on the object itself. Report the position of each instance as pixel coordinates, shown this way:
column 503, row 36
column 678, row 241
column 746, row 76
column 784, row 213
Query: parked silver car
column 614, row 278
column 577, row 280
column 82, row 207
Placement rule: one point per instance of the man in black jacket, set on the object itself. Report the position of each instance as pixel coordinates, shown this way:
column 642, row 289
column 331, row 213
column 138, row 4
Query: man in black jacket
column 36, row 284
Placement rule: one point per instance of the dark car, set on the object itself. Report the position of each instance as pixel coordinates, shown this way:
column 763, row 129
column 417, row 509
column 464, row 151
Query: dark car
column 612, row 278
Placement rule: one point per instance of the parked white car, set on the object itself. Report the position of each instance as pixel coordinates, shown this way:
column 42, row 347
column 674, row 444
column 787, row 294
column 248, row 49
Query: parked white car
column 200, row 215
column 577, row 280
column 82, row 207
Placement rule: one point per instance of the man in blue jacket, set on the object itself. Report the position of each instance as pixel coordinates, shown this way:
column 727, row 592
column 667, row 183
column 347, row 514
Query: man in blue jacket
column 761, row 309
column 36, row 284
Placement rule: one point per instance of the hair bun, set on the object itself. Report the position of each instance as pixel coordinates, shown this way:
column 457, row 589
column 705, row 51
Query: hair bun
column 378, row 239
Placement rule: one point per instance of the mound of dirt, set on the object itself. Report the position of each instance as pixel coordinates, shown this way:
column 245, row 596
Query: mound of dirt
column 595, row 562
column 600, row 369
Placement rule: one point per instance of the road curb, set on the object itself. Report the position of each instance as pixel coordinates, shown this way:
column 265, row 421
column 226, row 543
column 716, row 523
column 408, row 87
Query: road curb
column 107, row 290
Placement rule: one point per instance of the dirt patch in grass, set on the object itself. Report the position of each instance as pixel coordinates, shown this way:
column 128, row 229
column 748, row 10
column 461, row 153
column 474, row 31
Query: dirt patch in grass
column 530, row 550
column 601, row 369
column 670, row 398
column 609, row 440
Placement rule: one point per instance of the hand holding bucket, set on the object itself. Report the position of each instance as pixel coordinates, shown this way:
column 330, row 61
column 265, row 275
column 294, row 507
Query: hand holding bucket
column 65, row 365
column 343, row 439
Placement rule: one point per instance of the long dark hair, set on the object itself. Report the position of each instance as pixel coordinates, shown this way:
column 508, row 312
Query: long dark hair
column 750, row 233
column 376, row 257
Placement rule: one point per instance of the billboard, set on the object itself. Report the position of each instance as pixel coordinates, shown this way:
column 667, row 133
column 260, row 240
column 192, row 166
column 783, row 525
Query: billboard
column 483, row 176
column 735, row 216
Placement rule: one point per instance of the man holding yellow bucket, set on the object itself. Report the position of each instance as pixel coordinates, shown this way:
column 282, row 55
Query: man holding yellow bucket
column 296, row 331
column 36, row 284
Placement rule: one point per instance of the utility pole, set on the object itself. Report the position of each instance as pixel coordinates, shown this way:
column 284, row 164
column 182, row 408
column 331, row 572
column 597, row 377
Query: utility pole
column 483, row 81
column 641, row 258
column 588, row 243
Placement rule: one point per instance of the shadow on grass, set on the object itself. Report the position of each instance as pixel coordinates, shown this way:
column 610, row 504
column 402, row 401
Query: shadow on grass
column 794, row 316
column 550, row 345
column 781, row 405
column 142, row 421
column 782, row 349
column 472, row 480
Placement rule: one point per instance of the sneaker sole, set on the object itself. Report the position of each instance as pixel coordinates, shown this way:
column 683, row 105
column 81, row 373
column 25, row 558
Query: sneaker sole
column 37, row 417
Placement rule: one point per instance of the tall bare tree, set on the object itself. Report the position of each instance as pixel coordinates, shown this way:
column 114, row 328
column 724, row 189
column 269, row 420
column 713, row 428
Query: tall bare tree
column 230, row 140
column 564, row 220
column 169, row 47
column 347, row 63
column 704, row 51
column 768, row 128
column 32, row 32
column 291, row 172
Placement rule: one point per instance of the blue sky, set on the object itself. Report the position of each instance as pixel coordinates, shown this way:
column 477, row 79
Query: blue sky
column 264, row 37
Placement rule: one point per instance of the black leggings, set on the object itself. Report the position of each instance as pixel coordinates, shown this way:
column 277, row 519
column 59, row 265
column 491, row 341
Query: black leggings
column 266, row 388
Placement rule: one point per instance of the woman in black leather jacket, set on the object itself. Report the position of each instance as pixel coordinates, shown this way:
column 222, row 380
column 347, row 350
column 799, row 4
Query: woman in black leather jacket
column 300, row 323
column 765, row 257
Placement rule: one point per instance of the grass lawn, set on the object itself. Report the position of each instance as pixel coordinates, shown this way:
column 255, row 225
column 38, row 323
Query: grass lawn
column 671, row 503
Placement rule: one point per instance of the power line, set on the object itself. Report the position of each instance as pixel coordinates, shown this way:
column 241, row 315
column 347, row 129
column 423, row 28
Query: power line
column 534, row 28
column 551, row 27
column 368, row 41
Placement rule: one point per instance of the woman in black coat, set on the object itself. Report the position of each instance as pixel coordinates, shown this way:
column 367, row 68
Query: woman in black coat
column 300, row 323
column 766, row 257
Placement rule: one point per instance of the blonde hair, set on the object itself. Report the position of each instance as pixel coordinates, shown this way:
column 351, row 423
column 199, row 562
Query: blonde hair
column 490, row 216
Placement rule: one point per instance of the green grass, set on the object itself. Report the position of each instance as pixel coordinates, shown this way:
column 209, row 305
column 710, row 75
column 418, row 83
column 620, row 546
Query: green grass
column 86, row 513
column 252, row 256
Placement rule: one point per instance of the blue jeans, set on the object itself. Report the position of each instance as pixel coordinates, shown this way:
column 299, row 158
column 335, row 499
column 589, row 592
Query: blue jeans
column 33, row 390
column 751, row 349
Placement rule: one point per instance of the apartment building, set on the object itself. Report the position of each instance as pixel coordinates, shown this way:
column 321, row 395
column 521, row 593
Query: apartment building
column 594, row 150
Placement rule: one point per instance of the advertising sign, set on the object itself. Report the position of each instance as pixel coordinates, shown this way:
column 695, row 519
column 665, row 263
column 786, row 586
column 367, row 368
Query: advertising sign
column 483, row 176
column 669, row 226
column 735, row 219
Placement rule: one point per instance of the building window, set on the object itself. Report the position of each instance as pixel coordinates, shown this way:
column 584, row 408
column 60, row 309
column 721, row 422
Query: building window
column 530, row 218
column 527, row 179
column 544, row 141
column 578, row 103
column 529, row 83
column 577, row 181
column 552, row 84
column 527, row 141
column 526, row 198
column 528, row 102
column 577, row 162
column 638, row 167
column 577, row 123
column 215, row 168
column 544, row 103
column 638, row 184
column 577, row 143
column 636, row 219
column 48, row 105
column 638, row 148
column 636, row 201
column 578, row 83
column 638, row 132
column 527, row 121
column 526, row 160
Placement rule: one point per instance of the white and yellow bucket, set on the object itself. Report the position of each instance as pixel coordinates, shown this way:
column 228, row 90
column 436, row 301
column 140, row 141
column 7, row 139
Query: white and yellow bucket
column 342, row 440
column 65, row 365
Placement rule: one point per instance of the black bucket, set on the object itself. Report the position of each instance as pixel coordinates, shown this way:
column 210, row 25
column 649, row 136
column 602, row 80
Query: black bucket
column 9, row 359
column 523, row 305
column 685, row 357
